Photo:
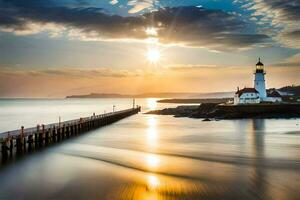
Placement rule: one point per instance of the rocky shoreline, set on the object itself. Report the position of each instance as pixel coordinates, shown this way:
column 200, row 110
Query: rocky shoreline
column 195, row 101
column 223, row 111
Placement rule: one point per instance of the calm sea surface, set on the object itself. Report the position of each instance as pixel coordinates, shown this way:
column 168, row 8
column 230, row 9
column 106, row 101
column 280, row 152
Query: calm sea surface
column 152, row 157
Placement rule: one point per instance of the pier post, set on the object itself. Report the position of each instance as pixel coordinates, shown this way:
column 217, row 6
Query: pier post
column 58, row 134
column 19, row 144
column 47, row 136
column 68, row 131
column 41, row 136
column 11, row 146
column 4, row 150
column 63, row 131
column 30, row 142
column 53, row 134
column 77, row 128
column 72, row 127
column 80, row 125
column 23, row 138
column 36, row 139
column 24, row 143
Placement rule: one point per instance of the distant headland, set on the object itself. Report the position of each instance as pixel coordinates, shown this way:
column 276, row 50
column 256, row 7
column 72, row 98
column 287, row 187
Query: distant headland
column 156, row 95
column 178, row 97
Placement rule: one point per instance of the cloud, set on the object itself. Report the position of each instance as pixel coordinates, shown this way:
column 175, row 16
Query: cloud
column 291, row 38
column 283, row 15
column 60, row 82
column 142, row 5
column 113, row 2
column 73, row 72
column 293, row 61
column 139, row 5
column 294, row 34
column 201, row 27
column 190, row 26
column 191, row 67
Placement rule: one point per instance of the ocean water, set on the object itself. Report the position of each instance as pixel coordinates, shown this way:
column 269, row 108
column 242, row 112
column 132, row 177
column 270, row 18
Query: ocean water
column 151, row 156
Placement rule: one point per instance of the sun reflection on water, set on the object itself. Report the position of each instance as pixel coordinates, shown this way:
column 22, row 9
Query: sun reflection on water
column 152, row 121
column 152, row 136
column 151, row 103
column 153, row 182
column 152, row 161
column 151, row 132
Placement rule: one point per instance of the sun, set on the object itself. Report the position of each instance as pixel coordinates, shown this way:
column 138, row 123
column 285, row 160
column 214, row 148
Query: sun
column 153, row 55
column 151, row 31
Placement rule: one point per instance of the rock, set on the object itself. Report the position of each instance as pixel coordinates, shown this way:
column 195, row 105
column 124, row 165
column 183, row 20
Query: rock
column 223, row 111
column 179, row 111
column 206, row 120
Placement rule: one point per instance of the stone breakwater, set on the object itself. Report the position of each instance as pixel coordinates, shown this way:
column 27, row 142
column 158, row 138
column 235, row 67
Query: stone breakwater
column 224, row 111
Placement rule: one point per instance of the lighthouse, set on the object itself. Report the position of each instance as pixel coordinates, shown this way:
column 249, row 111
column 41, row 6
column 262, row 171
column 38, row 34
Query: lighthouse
column 259, row 80
column 258, row 93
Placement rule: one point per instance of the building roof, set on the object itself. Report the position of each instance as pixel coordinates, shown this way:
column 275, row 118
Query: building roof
column 246, row 90
column 274, row 94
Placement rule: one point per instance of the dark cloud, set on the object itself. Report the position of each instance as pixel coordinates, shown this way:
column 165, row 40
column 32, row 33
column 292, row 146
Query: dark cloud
column 284, row 16
column 293, row 61
column 288, row 9
column 87, row 72
column 86, row 19
column 202, row 27
column 294, row 34
column 189, row 26
column 287, row 64
column 73, row 72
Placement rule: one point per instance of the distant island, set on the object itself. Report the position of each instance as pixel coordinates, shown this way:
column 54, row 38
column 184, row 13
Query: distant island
column 156, row 95
column 291, row 93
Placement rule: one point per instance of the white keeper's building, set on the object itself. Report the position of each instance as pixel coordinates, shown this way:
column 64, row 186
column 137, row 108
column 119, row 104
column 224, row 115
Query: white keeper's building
column 258, row 93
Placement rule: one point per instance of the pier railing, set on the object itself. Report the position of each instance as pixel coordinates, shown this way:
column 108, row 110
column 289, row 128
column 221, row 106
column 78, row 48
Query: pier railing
column 29, row 139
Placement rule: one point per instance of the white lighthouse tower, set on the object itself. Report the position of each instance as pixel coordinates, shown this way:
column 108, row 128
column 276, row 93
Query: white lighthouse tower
column 259, row 81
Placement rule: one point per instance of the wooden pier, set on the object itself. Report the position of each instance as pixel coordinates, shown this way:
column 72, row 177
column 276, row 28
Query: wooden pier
column 19, row 142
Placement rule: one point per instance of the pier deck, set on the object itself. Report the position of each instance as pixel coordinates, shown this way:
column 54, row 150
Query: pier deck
column 29, row 139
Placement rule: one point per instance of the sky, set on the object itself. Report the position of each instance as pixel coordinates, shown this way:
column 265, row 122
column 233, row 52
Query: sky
column 55, row 48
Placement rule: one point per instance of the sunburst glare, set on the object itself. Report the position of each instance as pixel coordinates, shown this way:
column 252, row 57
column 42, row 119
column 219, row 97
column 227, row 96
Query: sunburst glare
column 153, row 55
column 151, row 31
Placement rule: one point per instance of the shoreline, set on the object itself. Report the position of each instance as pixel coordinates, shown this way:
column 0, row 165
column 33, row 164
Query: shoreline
column 194, row 101
column 223, row 111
